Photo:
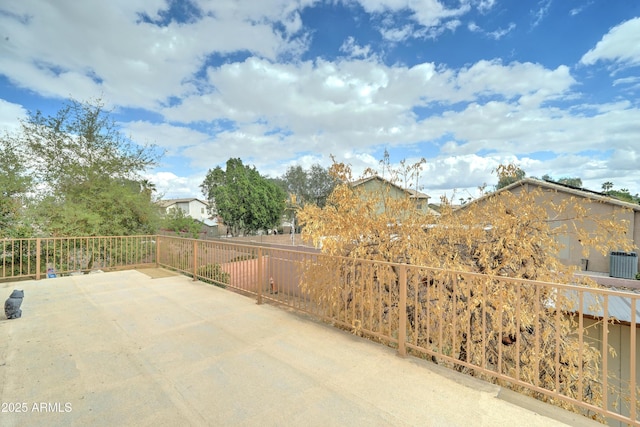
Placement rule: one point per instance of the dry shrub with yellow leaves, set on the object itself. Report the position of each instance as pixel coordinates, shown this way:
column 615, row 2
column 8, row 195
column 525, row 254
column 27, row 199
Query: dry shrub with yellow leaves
column 471, row 299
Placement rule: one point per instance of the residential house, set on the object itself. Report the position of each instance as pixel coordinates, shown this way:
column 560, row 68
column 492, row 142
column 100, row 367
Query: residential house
column 192, row 207
column 599, row 205
column 212, row 226
column 623, row 320
column 377, row 184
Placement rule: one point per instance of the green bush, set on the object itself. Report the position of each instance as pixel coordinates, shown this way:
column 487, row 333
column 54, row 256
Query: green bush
column 213, row 273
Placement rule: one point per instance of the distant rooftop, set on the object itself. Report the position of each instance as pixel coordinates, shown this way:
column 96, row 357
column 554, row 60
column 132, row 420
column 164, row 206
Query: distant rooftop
column 168, row 202
column 414, row 194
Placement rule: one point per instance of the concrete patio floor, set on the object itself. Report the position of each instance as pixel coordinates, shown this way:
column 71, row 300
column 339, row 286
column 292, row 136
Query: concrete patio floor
column 129, row 348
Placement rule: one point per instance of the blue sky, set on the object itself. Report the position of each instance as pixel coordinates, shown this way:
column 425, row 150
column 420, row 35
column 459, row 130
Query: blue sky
column 551, row 85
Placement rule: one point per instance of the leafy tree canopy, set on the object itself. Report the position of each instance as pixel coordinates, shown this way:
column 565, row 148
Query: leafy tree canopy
column 178, row 222
column 15, row 184
column 309, row 186
column 86, row 175
column 107, row 208
column 81, row 144
column 622, row 194
column 572, row 182
column 508, row 174
column 243, row 198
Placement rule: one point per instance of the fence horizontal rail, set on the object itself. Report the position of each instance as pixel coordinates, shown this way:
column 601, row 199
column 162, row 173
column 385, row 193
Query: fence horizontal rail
column 570, row 345
column 42, row 257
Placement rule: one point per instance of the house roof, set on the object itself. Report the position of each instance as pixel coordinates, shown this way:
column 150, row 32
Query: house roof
column 574, row 191
column 169, row 202
column 413, row 194
column 618, row 307
column 210, row 222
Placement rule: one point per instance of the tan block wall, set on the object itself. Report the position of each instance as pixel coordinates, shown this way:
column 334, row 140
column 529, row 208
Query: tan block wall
column 573, row 254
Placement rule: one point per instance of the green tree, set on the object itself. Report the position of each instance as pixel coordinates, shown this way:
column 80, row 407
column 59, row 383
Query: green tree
column 81, row 144
column 280, row 183
column 177, row 221
column 243, row 198
column 88, row 173
column 622, row 194
column 110, row 207
column 15, row 183
column 297, row 182
column 508, row 174
column 321, row 184
column 309, row 186
column 572, row 182
column 147, row 187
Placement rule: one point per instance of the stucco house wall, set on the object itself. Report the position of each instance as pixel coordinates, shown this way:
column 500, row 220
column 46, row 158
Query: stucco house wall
column 193, row 207
column 376, row 184
column 599, row 205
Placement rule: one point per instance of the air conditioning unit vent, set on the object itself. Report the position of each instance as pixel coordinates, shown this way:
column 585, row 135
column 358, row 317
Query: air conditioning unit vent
column 623, row 265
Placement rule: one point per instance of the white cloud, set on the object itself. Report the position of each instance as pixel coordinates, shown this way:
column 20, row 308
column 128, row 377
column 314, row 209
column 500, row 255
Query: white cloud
column 501, row 32
column 503, row 128
column 249, row 143
column 171, row 186
column 10, row 116
column 541, row 12
column 485, row 6
column 354, row 50
column 66, row 47
column 431, row 13
column 398, row 34
column 620, row 45
column 578, row 10
column 626, row 81
column 309, row 97
column 492, row 78
column 432, row 17
column 624, row 159
column 169, row 137
column 275, row 113
column 349, row 108
column 496, row 34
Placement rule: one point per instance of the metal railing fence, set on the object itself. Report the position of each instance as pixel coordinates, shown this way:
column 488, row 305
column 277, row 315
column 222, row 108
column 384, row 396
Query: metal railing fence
column 573, row 346
column 547, row 340
column 42, row 257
